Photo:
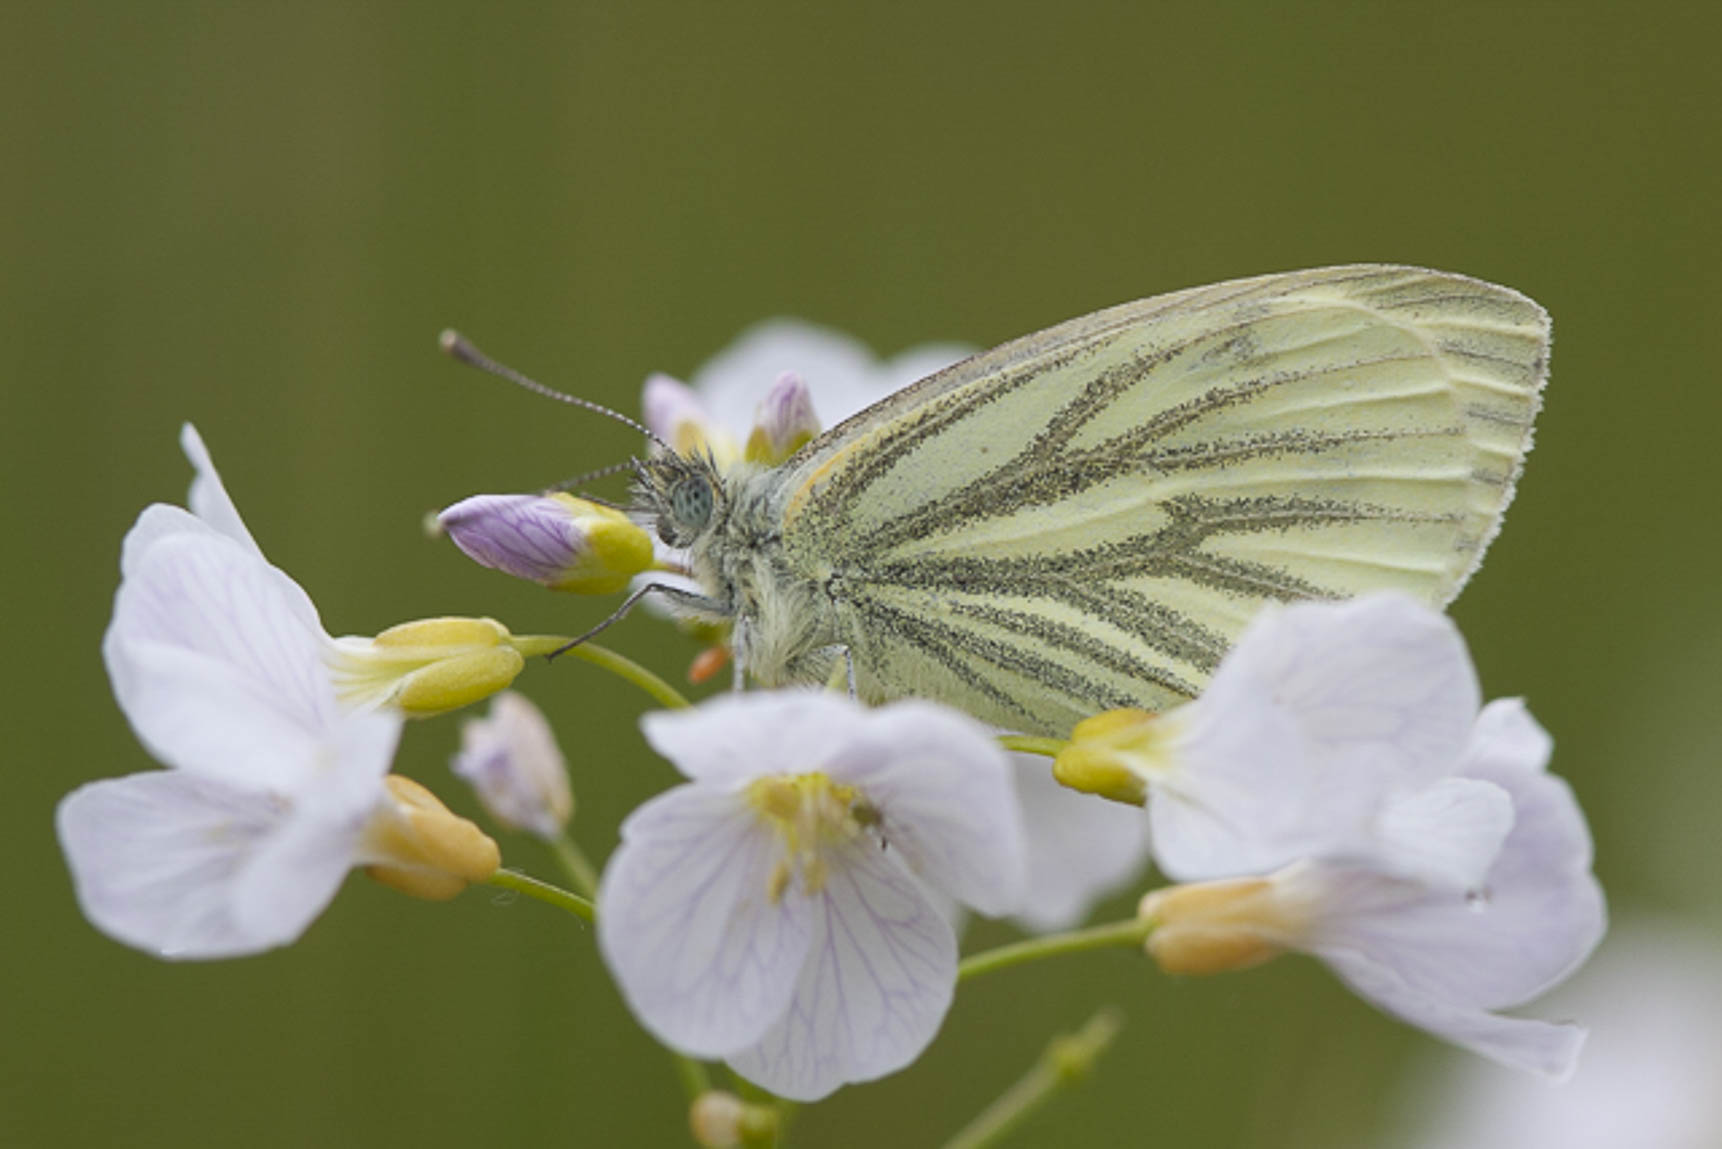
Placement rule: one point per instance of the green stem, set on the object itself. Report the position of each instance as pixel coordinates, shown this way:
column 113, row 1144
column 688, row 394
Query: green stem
column 626, row 668
column 1130, row 932
column 576, row 865
column 1067, row 1059
column 545, row 892
column 1027, row 744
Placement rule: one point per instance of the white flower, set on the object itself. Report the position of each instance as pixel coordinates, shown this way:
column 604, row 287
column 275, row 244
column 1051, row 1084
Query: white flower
column 512, row 760
column 1441, row 958
column 216, row 657
column 741, row 389
column 771, row 911
column 1330, row 730
column 1653, row 1001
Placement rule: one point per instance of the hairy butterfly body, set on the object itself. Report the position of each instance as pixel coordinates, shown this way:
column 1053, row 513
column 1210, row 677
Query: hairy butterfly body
column 1086, row 518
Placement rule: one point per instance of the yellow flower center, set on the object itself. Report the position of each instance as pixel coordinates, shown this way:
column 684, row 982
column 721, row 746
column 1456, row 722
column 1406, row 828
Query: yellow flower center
column 810, row 813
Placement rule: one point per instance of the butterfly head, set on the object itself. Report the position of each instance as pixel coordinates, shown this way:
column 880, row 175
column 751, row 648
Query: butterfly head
column 680, row 494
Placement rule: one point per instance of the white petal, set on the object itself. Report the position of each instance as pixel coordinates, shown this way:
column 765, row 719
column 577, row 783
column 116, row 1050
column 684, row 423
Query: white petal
column 912, row 365
column 877, row 982
column 1535, row 920
column 296, row 873
column 1249, row 794
column 1542, row 1047
column 1382, row 677
column 1506, row 738
column 1079, row 848
column 948, row 799
column 667, row 403
column 216, row 659
column 704, row 957
column 158, row 521
column 733, row 381
column 155, row 859
column 738, row 736
column 1447, row 834
column 208, row 497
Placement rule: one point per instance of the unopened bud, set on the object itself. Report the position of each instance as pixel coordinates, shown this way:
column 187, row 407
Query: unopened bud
column 512, row 761
column 1216, row 927
column 432, row 665
column 418, row 846
column 783, row 422
column 555, row 540
column 1113, row 755
column 721, row 1120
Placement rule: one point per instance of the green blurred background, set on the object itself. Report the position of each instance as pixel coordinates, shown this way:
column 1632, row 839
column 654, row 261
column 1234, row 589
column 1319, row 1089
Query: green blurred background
column 259, row 216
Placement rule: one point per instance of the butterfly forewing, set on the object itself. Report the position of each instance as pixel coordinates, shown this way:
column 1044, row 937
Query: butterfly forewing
column 1087, row 517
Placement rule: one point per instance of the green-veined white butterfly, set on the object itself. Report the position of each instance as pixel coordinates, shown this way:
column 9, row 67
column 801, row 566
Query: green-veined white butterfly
column 1087, row 517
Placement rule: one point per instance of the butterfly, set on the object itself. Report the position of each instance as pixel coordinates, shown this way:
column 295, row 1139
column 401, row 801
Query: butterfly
column 1087, row 517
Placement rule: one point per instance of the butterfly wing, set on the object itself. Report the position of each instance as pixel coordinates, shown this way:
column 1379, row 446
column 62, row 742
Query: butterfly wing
column 1087, row 517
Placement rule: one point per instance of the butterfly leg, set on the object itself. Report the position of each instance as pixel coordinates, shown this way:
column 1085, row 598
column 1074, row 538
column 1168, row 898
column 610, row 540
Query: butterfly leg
column 694, row 602
column 842, row 648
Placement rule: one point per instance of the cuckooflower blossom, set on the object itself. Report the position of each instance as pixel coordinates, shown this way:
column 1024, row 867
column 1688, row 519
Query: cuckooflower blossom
column 1442, row 958
column 217, row 659
column 777, row 386
column 772, row 912
column 556, row 540
column 741, row 394
column 1330, row 730
column 512, row 761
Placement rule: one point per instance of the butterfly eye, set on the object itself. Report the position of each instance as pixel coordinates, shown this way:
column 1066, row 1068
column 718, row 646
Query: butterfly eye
column 691, row 505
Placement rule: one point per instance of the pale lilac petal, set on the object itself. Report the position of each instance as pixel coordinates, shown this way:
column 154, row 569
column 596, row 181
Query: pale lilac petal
column 1506, row 738
column 1383, row 678
column 216, row 659
column 1545, row 1048
column 948, row 798
column 1537, row 917
column 916, row 364
column 740, row 736
column 512, row 761
column 1248, row 794
column 297, row 871
column 532, row 537
column 208, row 497
column 878, row 980
column 1446, row 834
column 155, row 859
column 705, row 958
column 1653, row 1003
column 786, row 414
column 668, row 403
column 1078, row 848
column 158, row 521
column 732, row 382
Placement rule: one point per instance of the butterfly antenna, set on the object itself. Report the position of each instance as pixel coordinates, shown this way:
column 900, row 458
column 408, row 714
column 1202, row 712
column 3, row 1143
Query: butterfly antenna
column 458, row 346
column 600, row 473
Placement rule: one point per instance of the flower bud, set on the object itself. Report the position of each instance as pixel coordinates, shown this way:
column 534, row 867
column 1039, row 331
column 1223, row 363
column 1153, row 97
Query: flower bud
column 721, row 1120
column 432, row 665
column 512, row 761
column 1217, row 927
column 783, row 422
column 675, row 414
column 554, row 540
column 1113, row 755
column 418, row 846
